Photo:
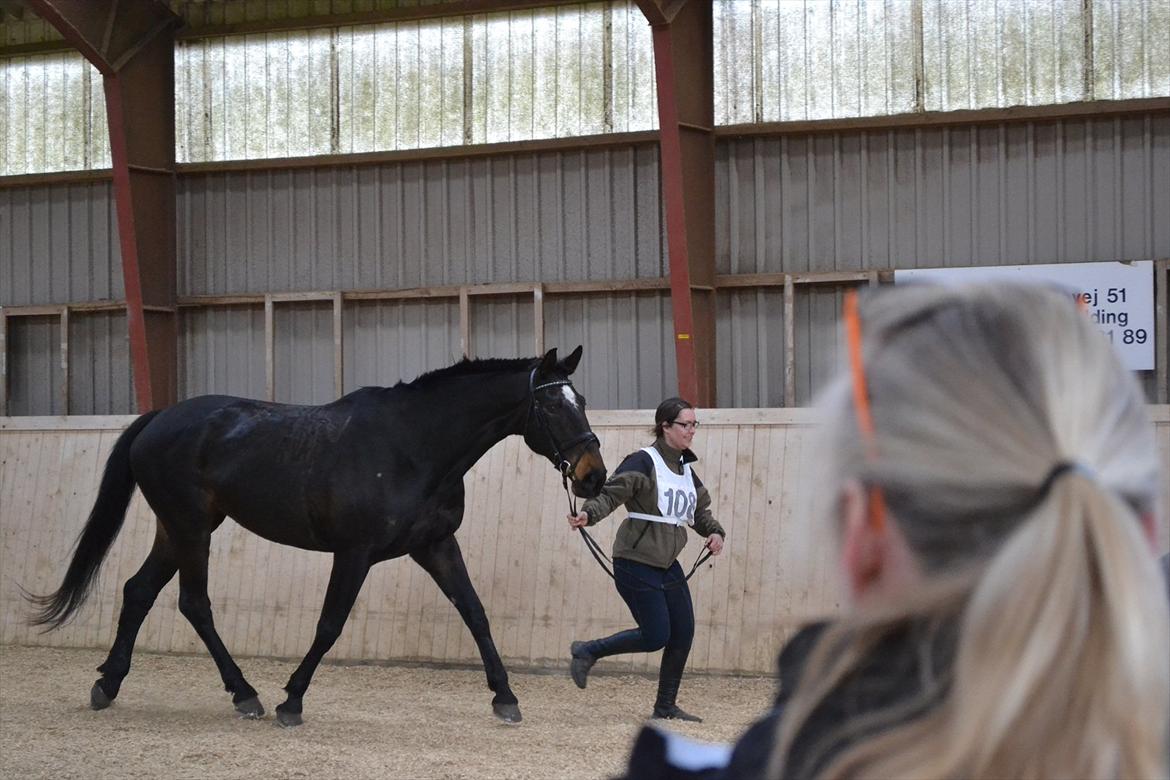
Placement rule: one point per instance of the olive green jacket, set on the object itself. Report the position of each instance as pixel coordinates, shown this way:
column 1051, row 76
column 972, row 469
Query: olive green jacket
column 634, row 484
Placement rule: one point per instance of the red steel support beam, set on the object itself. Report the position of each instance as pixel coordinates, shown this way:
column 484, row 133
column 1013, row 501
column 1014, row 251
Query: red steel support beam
column 683, row 67
column 132, row 43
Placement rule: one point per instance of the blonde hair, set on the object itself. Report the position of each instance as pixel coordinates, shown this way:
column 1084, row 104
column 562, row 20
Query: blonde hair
column 1056, row 610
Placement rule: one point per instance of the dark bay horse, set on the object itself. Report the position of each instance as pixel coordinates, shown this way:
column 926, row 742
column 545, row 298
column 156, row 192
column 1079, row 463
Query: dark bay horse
column 374, row 475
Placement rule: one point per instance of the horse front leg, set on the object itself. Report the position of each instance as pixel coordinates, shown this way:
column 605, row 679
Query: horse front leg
column 443, row 560
column 345, row 582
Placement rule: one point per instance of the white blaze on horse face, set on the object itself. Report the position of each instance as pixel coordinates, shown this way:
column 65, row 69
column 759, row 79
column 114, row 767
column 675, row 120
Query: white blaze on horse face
column 570, row 396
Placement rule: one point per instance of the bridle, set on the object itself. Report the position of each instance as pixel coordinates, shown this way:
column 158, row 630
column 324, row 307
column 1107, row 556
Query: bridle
column 559, row 461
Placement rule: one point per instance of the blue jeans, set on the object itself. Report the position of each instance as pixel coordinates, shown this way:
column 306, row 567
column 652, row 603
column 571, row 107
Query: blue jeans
column 665, row 617
column 660, row 601
column 663, row 611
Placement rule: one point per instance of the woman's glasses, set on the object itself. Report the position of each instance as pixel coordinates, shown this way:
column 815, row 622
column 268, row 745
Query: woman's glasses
column 690, row 426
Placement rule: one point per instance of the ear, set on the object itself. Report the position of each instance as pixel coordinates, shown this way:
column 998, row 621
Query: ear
column 569, row 364
column 549, row 361
column 861, row 548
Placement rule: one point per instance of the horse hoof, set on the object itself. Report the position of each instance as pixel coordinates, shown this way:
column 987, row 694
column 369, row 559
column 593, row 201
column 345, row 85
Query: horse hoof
column 508, row 713
column 250, row 709
column 98, row 700
column 288, row 720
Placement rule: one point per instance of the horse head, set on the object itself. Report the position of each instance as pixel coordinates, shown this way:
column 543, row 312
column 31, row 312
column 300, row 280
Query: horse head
column 557, row 427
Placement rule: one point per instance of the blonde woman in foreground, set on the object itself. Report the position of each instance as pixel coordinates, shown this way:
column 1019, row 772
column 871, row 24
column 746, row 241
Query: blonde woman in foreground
column 996, row 477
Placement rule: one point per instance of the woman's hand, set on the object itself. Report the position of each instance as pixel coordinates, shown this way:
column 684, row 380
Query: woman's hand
column 579, row 520
column 715, row 544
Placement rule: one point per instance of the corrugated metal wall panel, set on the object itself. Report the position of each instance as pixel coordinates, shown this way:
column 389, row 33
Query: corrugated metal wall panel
column 202, row 13
column 1004, row 53
column 819, row 353
column 749, row 344
column 1131, row 49
column 590, row 214
column 267, row 95
column 387, row 342
column 59, row 243
column 222, row 351
column 585, row 69
column 545, row 73
column 101, row 379
column 780, row 60
column 502, row 327
column 983, row 195
column 628, row 361
column 303, row 353
column 53, row 115
column 401, row 86
column 1070, row 191
column 34, row 366
column 635, row 89
column 28, row 29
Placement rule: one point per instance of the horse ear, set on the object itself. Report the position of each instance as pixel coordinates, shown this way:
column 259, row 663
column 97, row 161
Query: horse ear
column 549, row 361
column 569, row 364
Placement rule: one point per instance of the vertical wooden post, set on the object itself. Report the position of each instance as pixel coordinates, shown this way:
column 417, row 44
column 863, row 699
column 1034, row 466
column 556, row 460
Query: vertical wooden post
column 3, row 363
column 64, row 360
column 538, row 317
column 1162, row 331
column 338, row 348
column 465, row 322
column 269, row 349
column 789, row 341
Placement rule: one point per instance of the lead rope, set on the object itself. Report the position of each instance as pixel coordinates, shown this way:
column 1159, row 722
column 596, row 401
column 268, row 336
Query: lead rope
column 602, row 559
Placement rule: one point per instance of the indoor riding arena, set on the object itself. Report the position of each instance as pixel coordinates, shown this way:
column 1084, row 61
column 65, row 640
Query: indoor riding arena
column 293, row 200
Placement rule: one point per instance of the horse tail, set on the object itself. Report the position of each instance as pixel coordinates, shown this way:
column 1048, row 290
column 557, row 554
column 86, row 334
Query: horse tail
column 105, row 520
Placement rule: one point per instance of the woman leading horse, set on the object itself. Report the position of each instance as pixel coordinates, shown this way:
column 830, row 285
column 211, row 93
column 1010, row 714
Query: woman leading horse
column 663, row 497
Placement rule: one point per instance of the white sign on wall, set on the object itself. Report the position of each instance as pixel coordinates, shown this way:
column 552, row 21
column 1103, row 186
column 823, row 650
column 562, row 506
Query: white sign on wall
column 1118, row 296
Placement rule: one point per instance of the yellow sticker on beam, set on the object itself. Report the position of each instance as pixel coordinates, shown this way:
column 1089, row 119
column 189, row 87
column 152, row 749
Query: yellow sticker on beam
column 683, row 336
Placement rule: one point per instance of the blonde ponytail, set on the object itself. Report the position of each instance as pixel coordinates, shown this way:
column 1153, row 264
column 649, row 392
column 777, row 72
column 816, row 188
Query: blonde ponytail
column 1060, row 671
column 1061, row 623
column 1065, row 640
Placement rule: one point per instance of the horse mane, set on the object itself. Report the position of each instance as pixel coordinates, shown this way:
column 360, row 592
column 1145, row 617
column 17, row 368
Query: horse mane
column 467, row 367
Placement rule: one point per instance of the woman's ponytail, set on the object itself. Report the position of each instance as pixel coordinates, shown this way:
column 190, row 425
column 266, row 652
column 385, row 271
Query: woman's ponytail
column 1036, row 562
column 1058, row 649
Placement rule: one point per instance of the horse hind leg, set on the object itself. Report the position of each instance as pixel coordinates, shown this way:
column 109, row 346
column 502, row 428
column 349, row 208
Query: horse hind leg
column 195, row 605
column 443, row 560
column 138, row 597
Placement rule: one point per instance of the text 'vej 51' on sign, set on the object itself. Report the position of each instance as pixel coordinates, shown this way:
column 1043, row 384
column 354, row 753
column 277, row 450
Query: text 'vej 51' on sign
column 1118, row 296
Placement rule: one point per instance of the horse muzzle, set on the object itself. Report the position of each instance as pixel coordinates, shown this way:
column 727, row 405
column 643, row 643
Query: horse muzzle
column 589, row 474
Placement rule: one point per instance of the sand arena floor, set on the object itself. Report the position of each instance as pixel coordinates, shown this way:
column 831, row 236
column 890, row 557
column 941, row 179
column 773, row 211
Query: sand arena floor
column 172, row 719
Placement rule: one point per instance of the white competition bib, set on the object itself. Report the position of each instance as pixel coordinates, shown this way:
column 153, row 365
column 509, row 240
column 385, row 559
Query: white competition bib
column 676, row 493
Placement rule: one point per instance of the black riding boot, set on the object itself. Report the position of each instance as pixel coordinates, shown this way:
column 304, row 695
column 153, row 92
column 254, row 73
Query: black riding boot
column 585, row 654
column 664, row 706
